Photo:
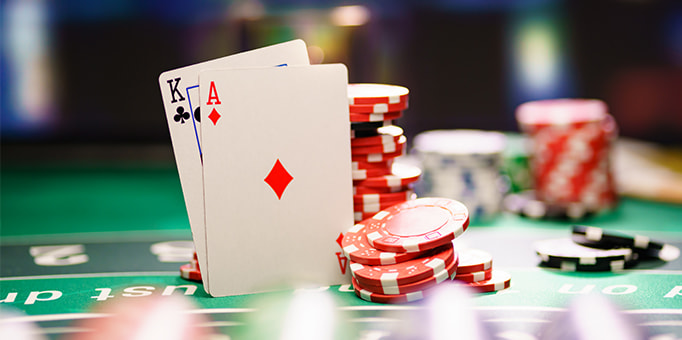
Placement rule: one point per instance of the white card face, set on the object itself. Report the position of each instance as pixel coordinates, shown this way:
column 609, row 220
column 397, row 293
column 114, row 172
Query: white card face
column 180, row 92
column 265, row 226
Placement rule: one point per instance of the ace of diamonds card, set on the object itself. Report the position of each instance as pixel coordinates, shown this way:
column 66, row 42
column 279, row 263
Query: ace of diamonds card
column 277, row 176
column 180, row 92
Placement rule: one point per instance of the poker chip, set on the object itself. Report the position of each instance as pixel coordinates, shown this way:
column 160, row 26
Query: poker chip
column 385, row 135
column 401, row 175
column 376, row 165
column 399, row 196
column 500, row 280
column 526, row 204
column 560, row 111
column 357, row 249
column 432, row 262
column 405, row 270
column 429, row 282
column 374, row 208
column 368, row 126
column 362, row 174
column 595, row 249
column 362, row 190
column 596, row 266
column 475, row 276
column 190, row 272
column 564, row 250
column 360, row 216
column 571, row 141
column 460, row 142
column 386, row 298
column 474, row 260
column 375, row 117
column 378, row 108
column 368, row 94
column 417, row 225
column 377, row 157
column 599, row 238
column 362, row 133
column 380, row 148
column 464, row 165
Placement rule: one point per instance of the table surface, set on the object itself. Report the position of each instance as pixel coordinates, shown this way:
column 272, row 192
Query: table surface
column 114, row 213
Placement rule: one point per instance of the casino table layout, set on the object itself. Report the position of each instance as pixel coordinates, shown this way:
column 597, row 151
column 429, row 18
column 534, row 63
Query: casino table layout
column 75, row 235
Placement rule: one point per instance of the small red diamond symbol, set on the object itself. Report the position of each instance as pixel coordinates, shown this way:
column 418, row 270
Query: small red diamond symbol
column 339, row 239
column 278, row 179
column 214, row 116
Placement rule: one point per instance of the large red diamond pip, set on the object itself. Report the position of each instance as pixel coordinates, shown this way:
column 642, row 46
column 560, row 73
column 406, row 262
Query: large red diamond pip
column 278, row 179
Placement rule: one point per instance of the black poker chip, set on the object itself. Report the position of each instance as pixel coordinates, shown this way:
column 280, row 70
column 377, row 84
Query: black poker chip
column 593, row 249
column 599, row 266
column 526, row 204
column 604, row 239
column 567, row 255
column 367, row 129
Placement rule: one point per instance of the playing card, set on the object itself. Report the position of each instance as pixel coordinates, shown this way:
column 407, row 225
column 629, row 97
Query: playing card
column 278, row 176
column 180, row 92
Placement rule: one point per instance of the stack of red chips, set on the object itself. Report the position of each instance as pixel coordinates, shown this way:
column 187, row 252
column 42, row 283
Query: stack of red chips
column 378, row 183
column 571, row 143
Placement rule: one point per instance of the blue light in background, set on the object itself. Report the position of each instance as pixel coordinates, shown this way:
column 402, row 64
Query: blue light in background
column 27, row 79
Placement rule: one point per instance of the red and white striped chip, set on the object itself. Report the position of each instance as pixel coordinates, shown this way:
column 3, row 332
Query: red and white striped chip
column 379, row 148
column 368, row 94
column 374, row 117
column 417, row 225
column 385, row 134
column 378, row 108
column 401, row 175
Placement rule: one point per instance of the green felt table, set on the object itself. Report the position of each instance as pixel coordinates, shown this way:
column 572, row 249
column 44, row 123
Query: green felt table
column 115, row 213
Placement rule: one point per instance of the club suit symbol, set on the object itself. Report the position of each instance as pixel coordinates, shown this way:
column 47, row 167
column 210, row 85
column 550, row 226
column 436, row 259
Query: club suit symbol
column 181, row 116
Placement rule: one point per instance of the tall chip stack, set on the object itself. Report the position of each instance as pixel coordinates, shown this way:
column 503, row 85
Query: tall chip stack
column 570, row 158
column 378, row 183
column 464, row 165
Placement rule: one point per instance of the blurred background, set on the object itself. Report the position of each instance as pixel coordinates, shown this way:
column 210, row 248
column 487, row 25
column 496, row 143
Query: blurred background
column 82, row 75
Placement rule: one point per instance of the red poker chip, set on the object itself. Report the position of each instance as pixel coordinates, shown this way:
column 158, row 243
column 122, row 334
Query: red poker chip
column 473, row 260
column 386, row 298
column 399, row 196
column 475, row 276
column 377, row 108
column 357, row 249
column 367, row 94
column 362, row 174
column 499, row 281
column 401, row 175
column 385, row 135
column 190, row 272
column 376, row 165
column 379, row 148
column 374, row 117
column 377, row 157
column 362, row 190
column 561, row 111
column 417, row 225
column 360, row 216
column 432, row 262
column 374, row 208
column 437, row 277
